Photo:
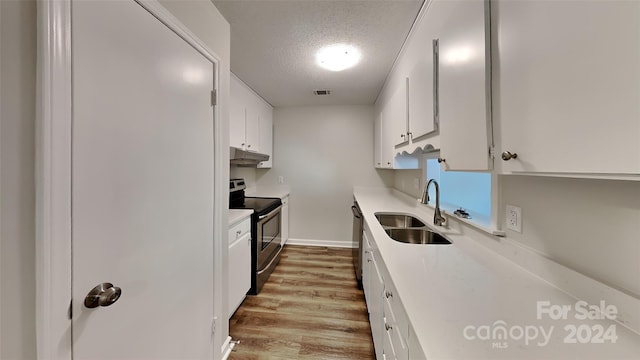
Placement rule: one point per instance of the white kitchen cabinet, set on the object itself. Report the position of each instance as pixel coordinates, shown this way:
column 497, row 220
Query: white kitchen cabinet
column 421, row 93
column 251, row 121
column 568, row 91
column 464, row 79
column 239, row 269
column 373, row 286
column 285, row 220
column 396, row 116
column 237, row 114
column 265, row 122
column 396, row 325
column 384, row 152
column 388, row 319
column 377, row 141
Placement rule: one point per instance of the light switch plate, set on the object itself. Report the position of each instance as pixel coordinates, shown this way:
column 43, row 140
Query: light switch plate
column 514, row 218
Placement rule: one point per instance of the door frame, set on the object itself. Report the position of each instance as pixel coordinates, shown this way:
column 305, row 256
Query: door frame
column 54, row 165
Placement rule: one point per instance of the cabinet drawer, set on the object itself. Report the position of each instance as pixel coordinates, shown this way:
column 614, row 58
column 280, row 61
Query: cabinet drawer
column 394, row 334
column 394, row 309
column 239, row 230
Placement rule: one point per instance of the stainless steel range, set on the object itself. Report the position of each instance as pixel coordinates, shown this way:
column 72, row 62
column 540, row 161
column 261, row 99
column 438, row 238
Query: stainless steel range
column 265, row 232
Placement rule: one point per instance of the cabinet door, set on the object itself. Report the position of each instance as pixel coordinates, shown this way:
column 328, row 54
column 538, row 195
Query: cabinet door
column 376, row 313
column 569, row 91
column 464, row 84
column 236, row 114
column 266, row 135
column 373, row 287
column 253, row 124
column 387, row 150
column 239, row 275
column 398, row 115
column 422, row 96
column 377, row 141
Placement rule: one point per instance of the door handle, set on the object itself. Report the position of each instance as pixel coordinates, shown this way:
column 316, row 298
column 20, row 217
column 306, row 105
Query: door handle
column 355, row 212
column 104, row 294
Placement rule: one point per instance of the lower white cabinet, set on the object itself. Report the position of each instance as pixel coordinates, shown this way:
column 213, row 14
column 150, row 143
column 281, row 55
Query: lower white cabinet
column 390, row 326
column 239, row 274
column 373, row 288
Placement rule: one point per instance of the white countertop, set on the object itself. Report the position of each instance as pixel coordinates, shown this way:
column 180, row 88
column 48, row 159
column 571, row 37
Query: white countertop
column 277, row 191
column 446, row 289
column 237, row 215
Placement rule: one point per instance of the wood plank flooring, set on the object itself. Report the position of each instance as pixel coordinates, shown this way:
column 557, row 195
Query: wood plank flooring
column 311, row 308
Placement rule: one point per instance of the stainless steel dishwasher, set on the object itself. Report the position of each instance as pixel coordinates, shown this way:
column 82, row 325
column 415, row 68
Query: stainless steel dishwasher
column 357, row 241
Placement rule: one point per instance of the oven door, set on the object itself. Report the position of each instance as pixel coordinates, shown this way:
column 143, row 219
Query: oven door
column 268, row 237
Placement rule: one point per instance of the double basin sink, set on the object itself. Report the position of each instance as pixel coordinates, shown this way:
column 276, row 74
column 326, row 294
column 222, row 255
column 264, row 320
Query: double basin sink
column 408, row 229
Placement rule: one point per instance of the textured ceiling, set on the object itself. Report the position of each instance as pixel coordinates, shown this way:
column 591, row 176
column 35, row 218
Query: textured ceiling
column 273, row 46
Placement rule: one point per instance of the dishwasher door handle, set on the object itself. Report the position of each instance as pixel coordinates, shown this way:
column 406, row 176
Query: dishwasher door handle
column 355, row 212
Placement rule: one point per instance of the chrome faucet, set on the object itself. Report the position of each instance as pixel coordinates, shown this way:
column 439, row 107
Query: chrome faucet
column 438, row 219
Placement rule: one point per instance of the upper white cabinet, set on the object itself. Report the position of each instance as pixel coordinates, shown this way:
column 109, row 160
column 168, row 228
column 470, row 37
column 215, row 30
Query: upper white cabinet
column 464, row 80
column 422, row 96
column 253, row 111
column 237, row 114
column 568, row 85
column 265, row 126
column 251, row 121
column 395, row 114
column 445, row 102
column 377, row 142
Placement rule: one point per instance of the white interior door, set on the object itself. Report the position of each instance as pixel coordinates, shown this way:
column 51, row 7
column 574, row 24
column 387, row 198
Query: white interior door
column 142, row 186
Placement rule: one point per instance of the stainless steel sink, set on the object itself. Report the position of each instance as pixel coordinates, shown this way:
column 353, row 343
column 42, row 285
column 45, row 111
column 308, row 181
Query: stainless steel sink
column 398, row 221
column 417, row 236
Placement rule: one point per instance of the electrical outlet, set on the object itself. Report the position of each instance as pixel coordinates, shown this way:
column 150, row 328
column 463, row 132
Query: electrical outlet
column 280, row 179
column 514, row 218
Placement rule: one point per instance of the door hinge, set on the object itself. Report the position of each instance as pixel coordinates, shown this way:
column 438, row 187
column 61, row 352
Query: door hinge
column 70, row 311
column 213, row 325
column 214, row 97
column 492, row 152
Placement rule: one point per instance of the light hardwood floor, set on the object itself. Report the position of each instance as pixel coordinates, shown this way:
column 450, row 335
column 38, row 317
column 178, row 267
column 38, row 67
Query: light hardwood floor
column 311, row 308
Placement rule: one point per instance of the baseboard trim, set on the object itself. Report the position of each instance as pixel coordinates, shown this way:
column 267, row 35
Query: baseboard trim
column 324, row 243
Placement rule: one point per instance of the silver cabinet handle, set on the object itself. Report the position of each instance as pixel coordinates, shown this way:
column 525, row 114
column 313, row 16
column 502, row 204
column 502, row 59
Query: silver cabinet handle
column 388, row 327
column 506, row 155
column 388, row 294
column 104, row 294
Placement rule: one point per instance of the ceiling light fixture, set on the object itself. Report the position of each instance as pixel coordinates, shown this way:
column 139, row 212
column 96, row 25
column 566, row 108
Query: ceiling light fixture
column 338, row 57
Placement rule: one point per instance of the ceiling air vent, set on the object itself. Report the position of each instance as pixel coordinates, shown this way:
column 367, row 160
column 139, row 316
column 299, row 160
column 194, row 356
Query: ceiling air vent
column 322, row 92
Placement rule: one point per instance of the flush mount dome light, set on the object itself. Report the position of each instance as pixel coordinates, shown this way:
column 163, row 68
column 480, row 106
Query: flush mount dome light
column 337, row 57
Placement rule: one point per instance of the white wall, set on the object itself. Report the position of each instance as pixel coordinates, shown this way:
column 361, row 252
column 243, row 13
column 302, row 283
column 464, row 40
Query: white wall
column 591, row 226
column 17, row 182
column 322, row 152
column 17, row 157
